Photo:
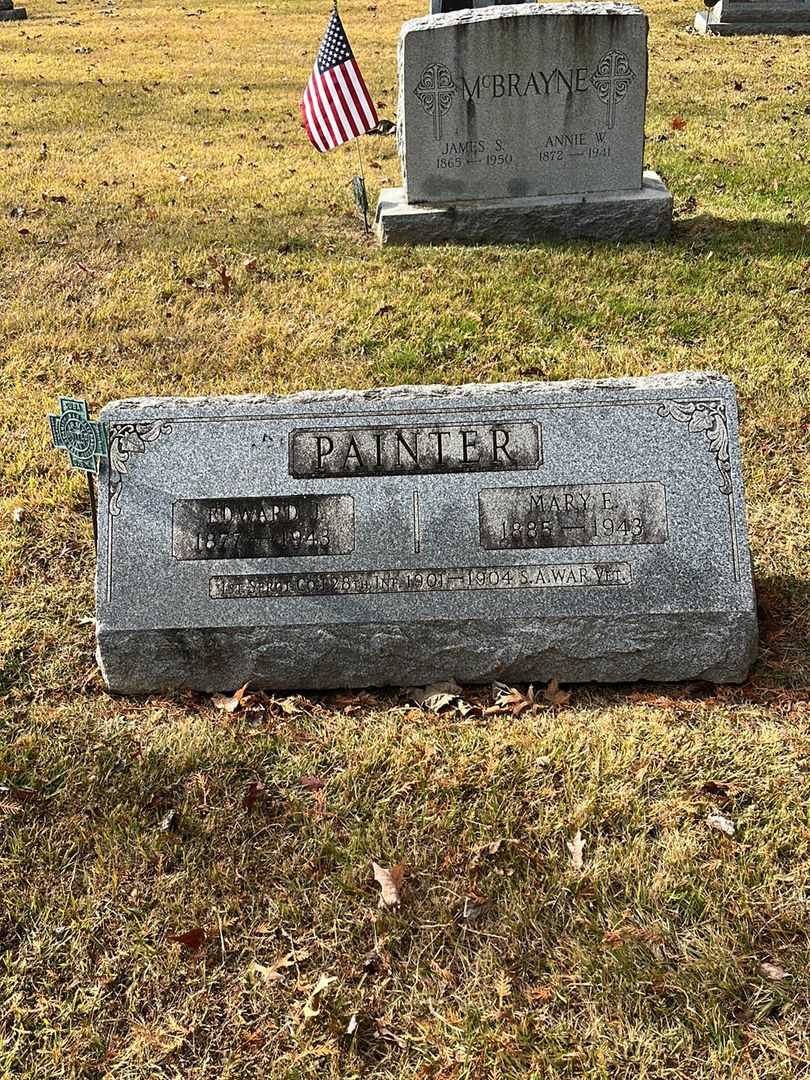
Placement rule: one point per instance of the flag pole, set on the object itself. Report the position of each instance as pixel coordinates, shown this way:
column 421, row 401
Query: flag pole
column 359, row 156
column 363, row 178
column 93, row 512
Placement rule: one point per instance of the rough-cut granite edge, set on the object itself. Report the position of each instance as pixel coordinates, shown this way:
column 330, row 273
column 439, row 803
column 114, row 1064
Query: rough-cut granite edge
column 498, row 11
column 128, row 409
column 714, row 646
column 704, row 24
column 645, row 214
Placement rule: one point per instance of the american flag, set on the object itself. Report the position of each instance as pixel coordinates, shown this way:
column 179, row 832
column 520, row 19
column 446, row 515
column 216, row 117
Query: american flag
column 336, row 106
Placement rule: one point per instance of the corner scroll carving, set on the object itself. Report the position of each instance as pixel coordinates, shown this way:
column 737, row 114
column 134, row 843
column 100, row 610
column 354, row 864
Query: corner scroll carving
column 125, row 440
column 708, row 417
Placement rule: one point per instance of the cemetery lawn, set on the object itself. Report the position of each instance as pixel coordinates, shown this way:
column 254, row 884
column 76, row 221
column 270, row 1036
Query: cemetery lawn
column 177, row 880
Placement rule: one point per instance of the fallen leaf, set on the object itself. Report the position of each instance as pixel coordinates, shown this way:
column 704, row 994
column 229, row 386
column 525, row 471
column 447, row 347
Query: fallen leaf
column 389, row 882
column 312, row 783
column 312, row 1005
column 773, row 971
column 254, row 793
column 554, row 695
column 575, row 850
column 291, row 706
column 192, row 939
column 274, row 972
column 721, row 823
column 435, row 697
column 384, row 1032
column 509, row 697
column 503, row 986
column 229, row 704
column 678, row 123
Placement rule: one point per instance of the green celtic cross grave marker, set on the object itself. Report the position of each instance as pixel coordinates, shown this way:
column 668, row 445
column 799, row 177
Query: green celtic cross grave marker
column 84, row 439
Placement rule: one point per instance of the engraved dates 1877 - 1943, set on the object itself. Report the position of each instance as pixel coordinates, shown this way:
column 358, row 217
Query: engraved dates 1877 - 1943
column 265, row 528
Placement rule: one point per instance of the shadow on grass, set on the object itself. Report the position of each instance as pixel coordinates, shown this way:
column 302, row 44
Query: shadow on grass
column 755, row 236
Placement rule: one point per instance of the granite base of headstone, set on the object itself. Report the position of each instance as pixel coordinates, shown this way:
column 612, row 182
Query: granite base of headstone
column 8, row 13
column 731, row 17
column 518, row 532
column 524, row 121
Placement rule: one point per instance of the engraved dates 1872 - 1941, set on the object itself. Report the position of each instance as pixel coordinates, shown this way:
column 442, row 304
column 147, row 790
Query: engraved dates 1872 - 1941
column 264, row 528
column 575, row 515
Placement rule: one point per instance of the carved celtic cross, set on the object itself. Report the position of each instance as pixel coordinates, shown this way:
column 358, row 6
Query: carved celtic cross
column 611, row 80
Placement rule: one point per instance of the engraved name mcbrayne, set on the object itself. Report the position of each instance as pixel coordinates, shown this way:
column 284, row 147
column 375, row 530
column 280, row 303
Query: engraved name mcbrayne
column 575, row 515
column 263, row 528
column 474, row 446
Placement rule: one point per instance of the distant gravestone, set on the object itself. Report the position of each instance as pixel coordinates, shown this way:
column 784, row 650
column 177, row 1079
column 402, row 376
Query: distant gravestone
column 523, row 121
column 442, row 7
column 583, row 531
column 755, row 17
column 8, row 13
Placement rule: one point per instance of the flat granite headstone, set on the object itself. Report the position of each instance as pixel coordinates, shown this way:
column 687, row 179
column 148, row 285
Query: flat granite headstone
column 524, row 121
column 577, row 530
column 8, row 13
column 755, row 17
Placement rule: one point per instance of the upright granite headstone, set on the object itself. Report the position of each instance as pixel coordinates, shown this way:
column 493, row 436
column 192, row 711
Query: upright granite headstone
column 580, row 530
column 8, row 13
column 523, row 121
column 442, row 7
column 755, row 17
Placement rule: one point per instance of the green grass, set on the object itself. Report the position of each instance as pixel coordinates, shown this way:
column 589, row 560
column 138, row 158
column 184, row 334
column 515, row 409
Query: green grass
column 176, row 145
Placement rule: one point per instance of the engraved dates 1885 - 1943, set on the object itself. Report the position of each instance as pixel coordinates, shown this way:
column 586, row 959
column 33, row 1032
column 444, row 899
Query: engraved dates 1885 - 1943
column 576, row 515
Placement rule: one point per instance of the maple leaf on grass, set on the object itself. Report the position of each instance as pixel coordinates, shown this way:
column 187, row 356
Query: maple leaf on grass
column 389, row 881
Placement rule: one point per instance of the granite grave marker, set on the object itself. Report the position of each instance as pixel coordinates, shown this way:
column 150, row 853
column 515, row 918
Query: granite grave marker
column 755, row 17
column 522, row 121
column 9, row 13
column 581, row 530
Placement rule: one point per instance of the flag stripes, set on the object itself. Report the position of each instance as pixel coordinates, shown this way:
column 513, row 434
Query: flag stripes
column 336, row 106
